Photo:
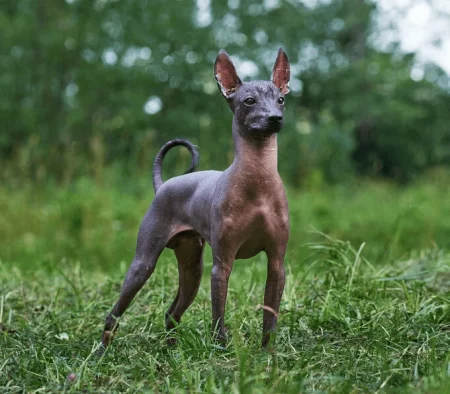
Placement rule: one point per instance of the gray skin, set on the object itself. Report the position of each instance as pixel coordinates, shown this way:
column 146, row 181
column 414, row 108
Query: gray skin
column 240, row 212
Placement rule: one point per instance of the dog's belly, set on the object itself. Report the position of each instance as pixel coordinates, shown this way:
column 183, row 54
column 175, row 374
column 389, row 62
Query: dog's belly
column 250, row 248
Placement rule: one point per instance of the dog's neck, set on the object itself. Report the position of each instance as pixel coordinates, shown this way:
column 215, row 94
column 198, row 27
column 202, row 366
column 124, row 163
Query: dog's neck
column 255, row 159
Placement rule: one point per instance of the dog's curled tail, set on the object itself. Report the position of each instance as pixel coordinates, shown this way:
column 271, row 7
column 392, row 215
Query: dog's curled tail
column 157, row 164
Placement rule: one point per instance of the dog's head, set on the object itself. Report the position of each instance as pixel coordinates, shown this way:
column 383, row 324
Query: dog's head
column 258, row 106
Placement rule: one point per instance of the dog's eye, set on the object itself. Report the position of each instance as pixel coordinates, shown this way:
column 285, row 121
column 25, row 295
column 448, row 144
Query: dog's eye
column 281, row 100
column 249, row 101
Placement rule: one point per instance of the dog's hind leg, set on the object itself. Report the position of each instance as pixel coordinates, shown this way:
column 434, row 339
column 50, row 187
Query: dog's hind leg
column 151, row 242
column 189, row 253
column 138, row 273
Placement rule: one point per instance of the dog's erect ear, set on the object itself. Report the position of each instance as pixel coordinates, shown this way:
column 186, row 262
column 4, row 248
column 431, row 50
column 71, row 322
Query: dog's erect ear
column 281, row 72
column 226, row 75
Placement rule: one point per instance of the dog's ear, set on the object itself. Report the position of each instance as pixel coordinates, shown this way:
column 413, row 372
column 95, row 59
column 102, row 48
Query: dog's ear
column 281, row 72
column 226, row 75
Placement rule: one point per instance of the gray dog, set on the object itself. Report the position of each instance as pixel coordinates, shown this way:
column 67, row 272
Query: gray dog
column 240, row 212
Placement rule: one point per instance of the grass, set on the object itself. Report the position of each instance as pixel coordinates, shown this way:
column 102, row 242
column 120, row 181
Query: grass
column 370, row 315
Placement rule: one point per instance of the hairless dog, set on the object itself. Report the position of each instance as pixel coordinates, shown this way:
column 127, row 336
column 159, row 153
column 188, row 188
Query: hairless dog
column 240, row 212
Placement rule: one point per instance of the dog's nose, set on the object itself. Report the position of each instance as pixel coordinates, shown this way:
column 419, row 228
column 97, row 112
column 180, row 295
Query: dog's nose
column 275, row 119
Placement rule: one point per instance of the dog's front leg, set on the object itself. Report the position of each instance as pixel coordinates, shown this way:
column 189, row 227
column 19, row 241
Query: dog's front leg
column 272, row 295
column 222, row 266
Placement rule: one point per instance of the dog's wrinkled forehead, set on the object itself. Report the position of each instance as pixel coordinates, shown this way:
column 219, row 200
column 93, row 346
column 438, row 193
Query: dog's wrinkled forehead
column 260, row 88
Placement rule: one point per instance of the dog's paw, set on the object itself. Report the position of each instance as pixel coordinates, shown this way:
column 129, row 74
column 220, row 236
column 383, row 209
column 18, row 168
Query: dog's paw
column 268, row 339
column 171, row 341
column 100, row 351
column 107, row 338
column 222, row 336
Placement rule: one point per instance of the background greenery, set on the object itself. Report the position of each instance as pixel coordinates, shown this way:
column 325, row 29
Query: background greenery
column 90, row 90
column 75, row 77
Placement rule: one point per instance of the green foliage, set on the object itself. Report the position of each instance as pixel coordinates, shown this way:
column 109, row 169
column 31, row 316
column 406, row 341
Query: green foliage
column 75, row 76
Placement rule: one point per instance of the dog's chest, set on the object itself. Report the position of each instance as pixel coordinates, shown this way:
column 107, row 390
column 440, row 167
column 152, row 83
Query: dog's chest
column 255, row 225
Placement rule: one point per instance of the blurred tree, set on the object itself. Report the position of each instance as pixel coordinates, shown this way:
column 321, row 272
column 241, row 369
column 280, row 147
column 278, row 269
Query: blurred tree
column 87, row 84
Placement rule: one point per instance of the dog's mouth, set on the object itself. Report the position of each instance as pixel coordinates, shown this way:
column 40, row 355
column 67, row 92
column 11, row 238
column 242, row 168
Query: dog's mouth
column 266, row 127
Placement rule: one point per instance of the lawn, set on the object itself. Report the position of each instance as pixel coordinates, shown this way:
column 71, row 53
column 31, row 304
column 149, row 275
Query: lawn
column 366, row 306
